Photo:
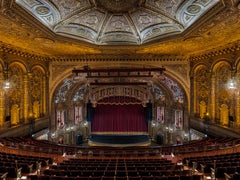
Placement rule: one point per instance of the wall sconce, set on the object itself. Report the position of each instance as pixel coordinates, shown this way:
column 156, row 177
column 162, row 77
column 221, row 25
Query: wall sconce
column 7, row 83
column 232, row 84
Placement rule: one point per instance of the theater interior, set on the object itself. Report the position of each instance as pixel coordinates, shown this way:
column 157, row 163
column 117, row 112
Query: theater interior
column 119, row 89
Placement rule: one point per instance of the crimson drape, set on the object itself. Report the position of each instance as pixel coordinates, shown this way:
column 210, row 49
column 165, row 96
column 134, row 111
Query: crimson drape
column 119, row 118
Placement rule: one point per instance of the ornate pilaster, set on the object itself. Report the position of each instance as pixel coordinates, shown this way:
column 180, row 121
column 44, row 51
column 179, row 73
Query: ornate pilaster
column 237, row 102
column 30, row 108
column 193, row 96
column 1, row 100
column 44, row 97
column 25, row 98
column 213, row 98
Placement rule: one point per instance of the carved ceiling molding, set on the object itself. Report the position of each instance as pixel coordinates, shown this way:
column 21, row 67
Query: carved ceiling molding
column 9, row 49
column 228, row 49
column 225, row 50
column 6, row 48
column 120, row 57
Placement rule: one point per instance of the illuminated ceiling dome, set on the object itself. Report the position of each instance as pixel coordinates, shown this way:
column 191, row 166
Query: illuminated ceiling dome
column 126, row 22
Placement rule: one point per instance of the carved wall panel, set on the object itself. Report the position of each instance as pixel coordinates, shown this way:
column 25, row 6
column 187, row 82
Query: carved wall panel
column 202, row 85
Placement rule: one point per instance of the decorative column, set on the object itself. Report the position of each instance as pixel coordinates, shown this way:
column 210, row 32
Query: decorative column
column 213, row 98
column 44, row 98
column 44, row 88
column 25, row 98
column 193, row 95
column 2, row 114
column 30, row 107
column 237, row 94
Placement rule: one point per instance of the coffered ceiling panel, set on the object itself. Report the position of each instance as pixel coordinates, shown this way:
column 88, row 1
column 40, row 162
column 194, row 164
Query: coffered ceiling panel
column 125, row 22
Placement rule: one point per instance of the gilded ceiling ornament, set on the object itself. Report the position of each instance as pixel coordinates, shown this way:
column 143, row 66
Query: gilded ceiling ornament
column 120, row 21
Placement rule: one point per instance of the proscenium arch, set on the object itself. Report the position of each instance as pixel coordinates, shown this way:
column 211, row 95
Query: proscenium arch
column 173, row 103
column 68, row 74
column 57, row 84
column 183, row 84
column 156, row 80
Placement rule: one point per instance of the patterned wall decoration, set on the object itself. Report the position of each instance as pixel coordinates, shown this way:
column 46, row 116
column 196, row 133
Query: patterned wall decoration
column 37, row 92
column 177, row 91
column 224, row 107
column 202, row 89
column 223, row 74
column 61, row 92
column 15, row 101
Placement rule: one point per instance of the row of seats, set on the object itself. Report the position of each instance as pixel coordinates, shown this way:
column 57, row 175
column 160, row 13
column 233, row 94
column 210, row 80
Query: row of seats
column 47, row 177
column 148, row 164
column 30, row 144
column 16, row 165
column 159, row 168
column 219, row 165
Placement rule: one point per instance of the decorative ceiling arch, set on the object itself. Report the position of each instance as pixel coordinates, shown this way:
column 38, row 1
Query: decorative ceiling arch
column 126, row 22
column 151, row 89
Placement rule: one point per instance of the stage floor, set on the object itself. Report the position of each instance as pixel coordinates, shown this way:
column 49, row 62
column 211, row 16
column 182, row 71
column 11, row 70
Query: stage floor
column 119, row 140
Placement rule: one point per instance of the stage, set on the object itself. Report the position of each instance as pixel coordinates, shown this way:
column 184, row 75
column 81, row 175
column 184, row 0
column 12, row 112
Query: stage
column 119, row 140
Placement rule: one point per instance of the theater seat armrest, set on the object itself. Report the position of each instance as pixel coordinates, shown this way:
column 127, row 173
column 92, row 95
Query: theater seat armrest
column 227, row 176
column 19, row 172
column 212, row 173
column 202, row 168
column 4, row 176
column 30, row 168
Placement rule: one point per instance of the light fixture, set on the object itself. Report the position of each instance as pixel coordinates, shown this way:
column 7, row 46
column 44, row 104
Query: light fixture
column 7, row 85
column 232, row 84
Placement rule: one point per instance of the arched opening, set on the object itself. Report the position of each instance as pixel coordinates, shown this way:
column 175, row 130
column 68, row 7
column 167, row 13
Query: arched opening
column 119, row 114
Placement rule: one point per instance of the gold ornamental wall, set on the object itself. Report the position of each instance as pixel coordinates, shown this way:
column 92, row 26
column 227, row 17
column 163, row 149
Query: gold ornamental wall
column 25, row 98
column 215, row 87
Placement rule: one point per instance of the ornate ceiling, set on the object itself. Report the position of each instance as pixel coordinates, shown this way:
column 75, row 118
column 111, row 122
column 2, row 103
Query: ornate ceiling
column 125, row 22
column 145, row 28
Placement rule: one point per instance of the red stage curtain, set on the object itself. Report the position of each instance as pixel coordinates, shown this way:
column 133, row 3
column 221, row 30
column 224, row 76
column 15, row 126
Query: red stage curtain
column 123, row 117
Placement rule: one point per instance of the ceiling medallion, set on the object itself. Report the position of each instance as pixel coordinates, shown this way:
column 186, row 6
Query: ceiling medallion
column 42, row 10
column 118, row 6
column 194, row 9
